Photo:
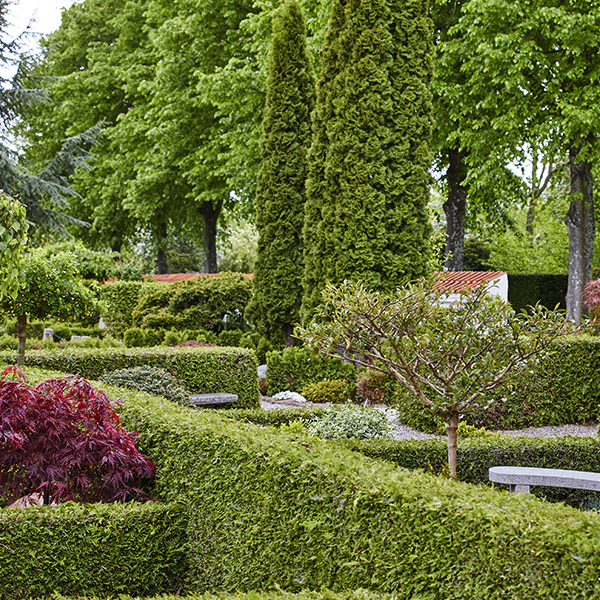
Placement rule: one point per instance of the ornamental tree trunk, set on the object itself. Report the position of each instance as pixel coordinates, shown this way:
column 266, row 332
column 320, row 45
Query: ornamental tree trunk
column 454, row 208
column 210, row 215
column 452, row 432
column 581, row 227
column 162, row 267
column 22, row 335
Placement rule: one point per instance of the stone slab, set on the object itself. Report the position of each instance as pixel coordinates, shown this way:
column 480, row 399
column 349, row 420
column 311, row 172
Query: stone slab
column 216, row 398
column 520, row 478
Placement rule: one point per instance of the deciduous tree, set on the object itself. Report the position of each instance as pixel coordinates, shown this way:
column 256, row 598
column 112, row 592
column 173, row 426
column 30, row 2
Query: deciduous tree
column 447, row 357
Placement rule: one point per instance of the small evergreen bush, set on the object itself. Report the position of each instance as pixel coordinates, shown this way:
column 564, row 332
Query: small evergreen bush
column 350, row 422
column 336, row 391
column 134, row 337
column 374, row 387
column 152, row 380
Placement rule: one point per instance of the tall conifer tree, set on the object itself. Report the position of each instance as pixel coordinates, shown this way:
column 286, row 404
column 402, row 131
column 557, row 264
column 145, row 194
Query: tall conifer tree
column 366, row 215
column 280, row 194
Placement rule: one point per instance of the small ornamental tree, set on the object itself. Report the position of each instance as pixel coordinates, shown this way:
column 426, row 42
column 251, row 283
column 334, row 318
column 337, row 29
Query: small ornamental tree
column 449, row 358
column 13, row 239
column 280, row 193
column 50, row 288
column 63, row 438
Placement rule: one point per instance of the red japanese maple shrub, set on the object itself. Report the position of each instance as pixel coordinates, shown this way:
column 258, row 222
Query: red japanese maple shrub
column 591, row 299
column 64, row 439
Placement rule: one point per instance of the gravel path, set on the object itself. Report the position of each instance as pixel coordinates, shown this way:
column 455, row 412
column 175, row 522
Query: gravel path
column 402, row 432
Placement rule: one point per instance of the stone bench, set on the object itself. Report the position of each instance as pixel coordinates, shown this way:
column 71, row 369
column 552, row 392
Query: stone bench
column 520, row 478
column 208, row 400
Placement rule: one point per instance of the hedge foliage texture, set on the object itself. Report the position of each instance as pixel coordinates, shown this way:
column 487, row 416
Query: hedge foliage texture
column 258, row 497
column 280, row 192
column 202, row 370
column 367, row 188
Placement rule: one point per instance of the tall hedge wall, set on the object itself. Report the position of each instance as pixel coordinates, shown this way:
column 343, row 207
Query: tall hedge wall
column 268, row 510
column 97, row 549
column 526, row 290
column 203, row 370
column 564, row 388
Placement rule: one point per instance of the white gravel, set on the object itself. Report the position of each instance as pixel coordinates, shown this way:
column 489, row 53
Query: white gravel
column 402, row 432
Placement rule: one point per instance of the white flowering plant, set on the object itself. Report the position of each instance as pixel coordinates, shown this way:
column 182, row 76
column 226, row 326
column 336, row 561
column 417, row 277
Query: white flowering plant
column 351, row 422
column 287, row 395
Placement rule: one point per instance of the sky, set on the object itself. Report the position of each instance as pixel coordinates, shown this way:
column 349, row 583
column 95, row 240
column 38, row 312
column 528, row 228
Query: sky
column 46, row 15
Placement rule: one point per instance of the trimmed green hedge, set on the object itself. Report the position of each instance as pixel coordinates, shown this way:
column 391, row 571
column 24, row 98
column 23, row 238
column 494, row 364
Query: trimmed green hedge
column 203, row 370
column 102, row 549
column 527, row 289
column 294, row 368
column 120, row 299
column 477, row 455
column 565, row 388
column 268, row 510
column 278, row 595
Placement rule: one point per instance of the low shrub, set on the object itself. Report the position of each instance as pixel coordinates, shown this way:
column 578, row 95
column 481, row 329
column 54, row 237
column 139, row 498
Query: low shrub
column 374, row 387
column 350, row 422
column 172, row 338
column 63, row 438
column 8, row 342
column 100, row 550
column 134, row 337
column 230, row 337
column 294, row 368
column 203, row 370
column 336, row 391
column 120, row 299
column 152, row 380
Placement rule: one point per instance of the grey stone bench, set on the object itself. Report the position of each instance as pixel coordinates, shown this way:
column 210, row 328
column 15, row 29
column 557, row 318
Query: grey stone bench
column 208, row 400
column 520, row 478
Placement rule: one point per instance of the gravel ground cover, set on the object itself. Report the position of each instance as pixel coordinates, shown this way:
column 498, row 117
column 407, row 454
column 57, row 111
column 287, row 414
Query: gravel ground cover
column 401, row 432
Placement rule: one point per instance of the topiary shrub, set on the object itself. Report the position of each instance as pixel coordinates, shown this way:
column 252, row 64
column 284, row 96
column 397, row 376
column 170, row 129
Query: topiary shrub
column 152, row 380
column 172, row 338
column 230, row 337
column 350, row 422
column 134, row 337
column 336, row 391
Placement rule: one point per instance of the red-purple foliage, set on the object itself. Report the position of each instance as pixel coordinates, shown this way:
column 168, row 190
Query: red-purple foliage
column 193, row 343
column 63, row 438
column 591, row 294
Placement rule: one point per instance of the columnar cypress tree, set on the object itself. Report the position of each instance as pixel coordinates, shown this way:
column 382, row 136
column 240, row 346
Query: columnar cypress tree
column 366, row 213
column 280, row 194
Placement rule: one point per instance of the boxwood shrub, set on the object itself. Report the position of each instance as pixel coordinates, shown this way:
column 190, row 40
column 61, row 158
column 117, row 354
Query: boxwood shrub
column 266, row 510
column 94, row 549
column 202, row 370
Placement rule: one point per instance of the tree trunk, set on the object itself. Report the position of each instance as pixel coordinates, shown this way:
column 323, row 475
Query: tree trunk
column 452, row 433
column 22, row 335
column 210, row 215
column 162, row 267
column 454, row 208
column 290, row 340
column 581, row 227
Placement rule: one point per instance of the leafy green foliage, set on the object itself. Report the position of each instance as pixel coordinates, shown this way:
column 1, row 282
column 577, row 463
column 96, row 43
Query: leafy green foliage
column 280, row 192
column 134, row 337
column 98, row 550
column 203, row 370
column 374, row 387
column 528, row 290
column 336, row 391
column 199, row 303
column 448, row 358
column 561, row 388
column 257, row 497
column 152, row 380
column 350, row 422
column 120, row 298
column 51, row 287
column 367, row 189
column 13, row 238
column 295, row 368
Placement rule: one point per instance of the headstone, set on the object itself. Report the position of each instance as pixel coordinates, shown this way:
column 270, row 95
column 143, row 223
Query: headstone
column 48, row 334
